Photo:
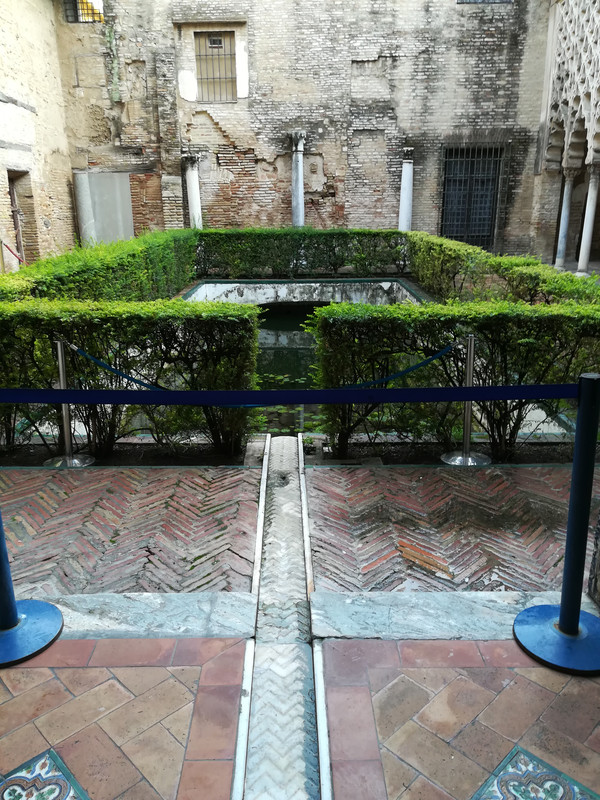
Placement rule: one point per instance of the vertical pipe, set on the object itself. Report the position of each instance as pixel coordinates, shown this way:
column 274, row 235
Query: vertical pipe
column 85, row 208
column 298, row 138
column 192, row 184
column 468, row 404
column 588, row 222
column 9, row 615
column 565, row 212
column 586, row 436
column 406, row 191
column 66, row 416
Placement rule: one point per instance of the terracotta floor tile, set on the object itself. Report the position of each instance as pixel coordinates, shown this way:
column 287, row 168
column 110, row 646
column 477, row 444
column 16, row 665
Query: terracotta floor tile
column 98, row 764
column 564, row 753
column 505, row 653
column 397, row 774
column 594, row 740
column 432, row 679
column 454, row 707
column 516, row 708
column 32, row 704
column 196, row 652
column 422, row 789
column 226, row 668
column 141, row 791
column 378, row 677
column 346, row 662
column 360, row 780
column 159, row 757
column 352, row 733
column 483, row 745
column 493, row 678
column 4, row 693
column 81, row 679
column 189, row 676
column 437, row 760
column 206, row 779
column 213, row 730
column 576, row 710
column 133, row 653
column 20, row 746
column 440, row 654
column 65, row 653
column 548, row 678
column 146, row 710
column 178, row 724
column 396, row 704
column 18, row 680
column 139, row 679
column 81, row 711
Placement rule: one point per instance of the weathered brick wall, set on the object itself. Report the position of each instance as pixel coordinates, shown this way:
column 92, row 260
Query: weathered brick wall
column 33, row 143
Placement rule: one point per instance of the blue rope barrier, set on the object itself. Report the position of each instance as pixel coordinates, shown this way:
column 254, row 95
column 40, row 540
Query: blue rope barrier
column 114, row 370
column 406, row 371
column 275, row 397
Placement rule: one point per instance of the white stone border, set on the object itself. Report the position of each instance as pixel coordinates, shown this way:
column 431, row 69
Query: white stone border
column 260, row 521
column 241, row 747
column 322, row 726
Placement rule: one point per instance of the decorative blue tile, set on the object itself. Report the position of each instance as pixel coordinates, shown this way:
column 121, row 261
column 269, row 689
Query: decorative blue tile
column 45, row 777
column 522, row 776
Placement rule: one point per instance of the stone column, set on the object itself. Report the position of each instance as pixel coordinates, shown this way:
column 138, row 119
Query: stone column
column 406, row 190
column 298, row 138
column 570, row 175
column 85, row 209
column 588, row 222
column 192, row 185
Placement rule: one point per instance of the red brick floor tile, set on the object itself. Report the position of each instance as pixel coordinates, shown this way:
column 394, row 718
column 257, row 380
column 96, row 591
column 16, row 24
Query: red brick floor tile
column 422, row 789
column 214, row 723
column 196, row 652
column 98, row 764
column 225, row 668
column 593, row 741
column 141, row 791
column 440, row 654
column 505, row 653
column 133, row 653
column 398, row 775
column 189, row 676
column 65, row 653
column 346, row 662
column 516, row 708
column 379, row 677
column 359, row 780
column 493, row 678
column 352, row 733
column 159, row 757
column 139, row 679
column 483, row 745
column 432, row 679
column 206, row 779
column 19, row 746
column 79, row 680
column 19, row 680
column 564, row 753
column 454, row 707
column 396, row 703
column 576, row 710
column 4, row 693
column 29, row 705
column 548, row 678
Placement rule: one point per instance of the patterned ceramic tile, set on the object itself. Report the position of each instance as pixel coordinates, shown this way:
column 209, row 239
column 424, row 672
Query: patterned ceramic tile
column 522, row 776
column 45, row 777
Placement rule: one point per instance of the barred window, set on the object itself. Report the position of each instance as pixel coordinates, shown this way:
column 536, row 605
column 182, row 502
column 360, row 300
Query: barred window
column 470, row 201
column 215, row 66
column 84, row 10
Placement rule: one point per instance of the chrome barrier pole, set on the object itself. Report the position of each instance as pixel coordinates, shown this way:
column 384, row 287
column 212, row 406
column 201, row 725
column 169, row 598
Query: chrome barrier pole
column 68, row 460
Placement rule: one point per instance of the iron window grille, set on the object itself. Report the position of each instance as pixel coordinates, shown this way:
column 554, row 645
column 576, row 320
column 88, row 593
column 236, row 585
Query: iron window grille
column 84, row 10
column 215, row 66
column 470, row 195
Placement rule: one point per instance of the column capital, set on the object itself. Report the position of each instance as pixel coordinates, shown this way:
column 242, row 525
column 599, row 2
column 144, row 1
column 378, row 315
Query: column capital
column 298, row 139
column 571, row 173
column 594, row 170
column 408, row 153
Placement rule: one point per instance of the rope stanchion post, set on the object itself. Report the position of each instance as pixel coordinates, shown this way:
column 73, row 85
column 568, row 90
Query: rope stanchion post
column 27, row 627
column 565, row 637
column 466, row 458
column 68, row 460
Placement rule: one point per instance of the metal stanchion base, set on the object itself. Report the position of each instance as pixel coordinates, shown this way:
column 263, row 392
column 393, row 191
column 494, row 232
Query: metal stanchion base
column 458, row 459
column 536, row 631
column 64, row 462
column 39, row 625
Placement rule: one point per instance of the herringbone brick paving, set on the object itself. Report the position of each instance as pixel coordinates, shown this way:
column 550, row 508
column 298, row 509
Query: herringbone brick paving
column 131, row 530
column 440, row 528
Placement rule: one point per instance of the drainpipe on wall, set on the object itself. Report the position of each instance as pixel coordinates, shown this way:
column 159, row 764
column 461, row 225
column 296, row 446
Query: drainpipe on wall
column 298, row 138
column 85, row 209
column 192, row 184
column 406, row 190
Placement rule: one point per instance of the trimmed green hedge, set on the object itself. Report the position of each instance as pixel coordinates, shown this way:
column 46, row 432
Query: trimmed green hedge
column 173, row 344
column 515, row 344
